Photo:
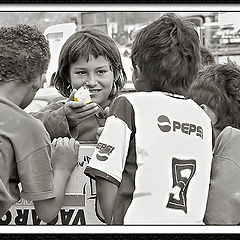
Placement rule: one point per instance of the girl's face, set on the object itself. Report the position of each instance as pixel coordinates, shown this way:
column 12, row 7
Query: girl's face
column 96, row 74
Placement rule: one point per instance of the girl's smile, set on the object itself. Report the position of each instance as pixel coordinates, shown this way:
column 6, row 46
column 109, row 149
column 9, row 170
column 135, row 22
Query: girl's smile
column 95, row 74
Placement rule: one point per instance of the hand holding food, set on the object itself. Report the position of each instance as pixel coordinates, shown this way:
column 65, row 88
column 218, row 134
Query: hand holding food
column 83, row 94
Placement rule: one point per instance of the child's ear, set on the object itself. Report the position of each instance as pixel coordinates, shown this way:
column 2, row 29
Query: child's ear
column 39, row 81
column 137, row 72
column 210, row 113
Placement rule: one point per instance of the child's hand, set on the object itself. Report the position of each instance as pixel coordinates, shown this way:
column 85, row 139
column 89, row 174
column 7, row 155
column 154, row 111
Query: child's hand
column 65, row 153
column 99, row 132
column 100, row 129
column 106, row 111
column 77, row 112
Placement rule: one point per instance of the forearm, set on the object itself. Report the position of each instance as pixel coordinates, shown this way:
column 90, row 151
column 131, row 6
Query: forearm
column 106, row 195
column 54, row 121
column 48, row 209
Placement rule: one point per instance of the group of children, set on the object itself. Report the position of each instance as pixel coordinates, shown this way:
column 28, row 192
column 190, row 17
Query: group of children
column 153, row 162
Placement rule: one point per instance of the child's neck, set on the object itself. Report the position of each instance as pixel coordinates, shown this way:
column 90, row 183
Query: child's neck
column 13, row 91
column 106, row 103
column 216, row 132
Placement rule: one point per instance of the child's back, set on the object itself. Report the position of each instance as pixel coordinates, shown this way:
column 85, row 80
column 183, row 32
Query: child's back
column 28, row 138
column 168, row 166
column 160, row 157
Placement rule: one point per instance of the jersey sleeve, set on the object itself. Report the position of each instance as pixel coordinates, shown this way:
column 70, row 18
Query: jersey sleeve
column 109, row 157
column 36, row 175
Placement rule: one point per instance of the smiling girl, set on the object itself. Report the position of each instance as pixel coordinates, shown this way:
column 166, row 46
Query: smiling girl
column 89, row 58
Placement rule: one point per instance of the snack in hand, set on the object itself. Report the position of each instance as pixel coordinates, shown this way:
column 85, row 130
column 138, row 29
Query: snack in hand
column 83, row 94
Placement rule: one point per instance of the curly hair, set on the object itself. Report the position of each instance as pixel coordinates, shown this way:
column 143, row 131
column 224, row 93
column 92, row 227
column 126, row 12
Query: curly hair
column 218, row 87
column 207, row 57
column 82, row 44
column 24, row 53
column 167, row 52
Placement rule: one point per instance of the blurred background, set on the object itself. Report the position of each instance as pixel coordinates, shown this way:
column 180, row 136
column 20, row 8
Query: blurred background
column 218, row 31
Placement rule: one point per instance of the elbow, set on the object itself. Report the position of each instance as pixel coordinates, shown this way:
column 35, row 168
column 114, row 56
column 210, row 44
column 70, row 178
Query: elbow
column 47, row 218
column 46, row 212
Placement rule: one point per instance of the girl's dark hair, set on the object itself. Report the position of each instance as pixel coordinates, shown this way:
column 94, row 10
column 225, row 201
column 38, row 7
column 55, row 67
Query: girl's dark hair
column 82, row 44
column 167, row 52
column 218, row 87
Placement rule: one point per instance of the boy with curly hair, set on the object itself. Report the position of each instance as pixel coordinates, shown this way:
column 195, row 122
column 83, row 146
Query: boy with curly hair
column 217, row 90
column 153, row 159
column 26, row 153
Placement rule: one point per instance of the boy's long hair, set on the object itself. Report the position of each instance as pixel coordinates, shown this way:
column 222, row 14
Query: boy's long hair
column 167, row 52
column 218, row 87
column 82, row 44
column 24, row 53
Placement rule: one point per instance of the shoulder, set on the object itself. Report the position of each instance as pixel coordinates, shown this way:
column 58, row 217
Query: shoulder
column 229, row 136
column 128, row 100
column 33, row 131
column 227, row 144
column 123, row 109
column 120, row 105
column 5, row 143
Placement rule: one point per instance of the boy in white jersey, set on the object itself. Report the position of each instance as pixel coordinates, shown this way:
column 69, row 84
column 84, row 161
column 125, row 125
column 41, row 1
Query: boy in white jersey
column 217, row 90
column 153, row 158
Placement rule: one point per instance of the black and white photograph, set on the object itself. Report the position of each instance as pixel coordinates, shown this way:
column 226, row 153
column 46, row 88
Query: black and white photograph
column 120, row 118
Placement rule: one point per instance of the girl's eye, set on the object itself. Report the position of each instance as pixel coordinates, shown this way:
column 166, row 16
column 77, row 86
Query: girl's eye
column 102, row 71
column 81, row 72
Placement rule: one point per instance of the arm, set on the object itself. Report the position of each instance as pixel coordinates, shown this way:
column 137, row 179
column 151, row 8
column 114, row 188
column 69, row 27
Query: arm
column 54, row 120
column 223, row 206
column 109, row 158
column 100, row 129
column 48, row 209
column 61, row 119
column 64, row 160
column 106, row 194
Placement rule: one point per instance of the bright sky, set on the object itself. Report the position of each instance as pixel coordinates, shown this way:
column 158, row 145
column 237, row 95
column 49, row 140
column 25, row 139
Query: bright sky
column 230, row 17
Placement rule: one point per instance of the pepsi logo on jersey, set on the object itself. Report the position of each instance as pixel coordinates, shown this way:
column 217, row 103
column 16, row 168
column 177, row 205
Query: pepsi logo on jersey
column 104, row 151
column 165, row 125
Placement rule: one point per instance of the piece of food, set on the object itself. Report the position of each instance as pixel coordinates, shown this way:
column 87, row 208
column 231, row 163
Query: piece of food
column 83, row 94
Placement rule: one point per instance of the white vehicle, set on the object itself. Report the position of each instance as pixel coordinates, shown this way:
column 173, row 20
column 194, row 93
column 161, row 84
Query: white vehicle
column 57, row 36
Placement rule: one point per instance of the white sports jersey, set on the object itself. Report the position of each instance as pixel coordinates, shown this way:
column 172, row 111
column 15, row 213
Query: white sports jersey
column 158, row 149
